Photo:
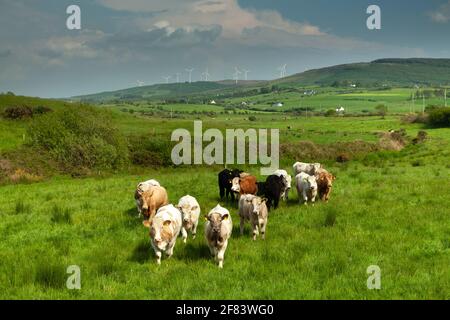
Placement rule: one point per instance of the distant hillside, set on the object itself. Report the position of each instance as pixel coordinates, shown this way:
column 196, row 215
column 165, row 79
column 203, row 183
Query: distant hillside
column 388, row 72
column 169, row 91
column 378, row 73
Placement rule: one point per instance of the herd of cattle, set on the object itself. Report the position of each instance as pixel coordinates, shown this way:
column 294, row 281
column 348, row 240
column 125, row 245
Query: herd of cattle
column 255, row 199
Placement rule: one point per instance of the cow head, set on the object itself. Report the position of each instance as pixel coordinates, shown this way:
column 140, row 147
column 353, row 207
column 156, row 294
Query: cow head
column 161, row 231
column 259, row 204
column 235, row 185
column 312, row 182
column 187, row 212
column 215, row 219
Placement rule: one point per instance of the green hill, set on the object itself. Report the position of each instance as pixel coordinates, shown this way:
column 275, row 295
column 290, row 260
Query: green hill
column 378, row 73
column 383, row 72
column 169, row 91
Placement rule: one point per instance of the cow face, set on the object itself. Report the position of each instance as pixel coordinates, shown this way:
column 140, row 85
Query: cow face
column 215, row 220
column 235, row 186
column 161, row 231
column 258, row 205
column 187, row 213
column 312, row 182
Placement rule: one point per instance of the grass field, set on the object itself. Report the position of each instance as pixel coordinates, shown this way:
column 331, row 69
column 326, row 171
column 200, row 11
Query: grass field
column 388, row 209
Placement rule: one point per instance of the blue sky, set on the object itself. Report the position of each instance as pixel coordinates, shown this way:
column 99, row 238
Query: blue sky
column 123, row 42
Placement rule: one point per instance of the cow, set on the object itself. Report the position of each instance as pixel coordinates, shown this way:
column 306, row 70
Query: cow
column 190, row 211
column 140, row 189
column 246, row 185
column 225, row 178
column 253, row 209
column 324, row 184
column 306, row 188
column 164, row 230
column 218, row 228
column 309, row 168
column 153, row 199
column 288, row 179
column 273, row 190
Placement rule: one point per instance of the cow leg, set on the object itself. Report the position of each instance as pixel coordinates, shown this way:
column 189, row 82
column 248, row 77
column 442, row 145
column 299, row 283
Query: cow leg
column 222, row 192
column 262, row 227
column 158, row 256
column 255, row 231
column 276, row 202
column 305, row 197
column 242, row 225
column 194, row 230
column 169, row 251
column 184, row 234
column 221, row 254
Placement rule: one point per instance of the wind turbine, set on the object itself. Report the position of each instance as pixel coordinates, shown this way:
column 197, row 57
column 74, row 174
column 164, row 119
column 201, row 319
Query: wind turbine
column 167, row 78
column 246, row 74
column 205, row 75
column 236, row 74
column 140, row 83
column 178, row 77
column 190, row 74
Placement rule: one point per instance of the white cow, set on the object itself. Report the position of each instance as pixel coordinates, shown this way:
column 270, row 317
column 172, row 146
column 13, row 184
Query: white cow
column 190, row 211
column 218, row 230
column 253, row 209
column 309, row 168
column 306, row 187
column 140, row 189
column 288, row 178
column 164, row 230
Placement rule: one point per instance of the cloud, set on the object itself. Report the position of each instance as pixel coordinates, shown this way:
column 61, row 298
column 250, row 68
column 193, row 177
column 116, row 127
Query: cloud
column 441, row 15
column 191, row 14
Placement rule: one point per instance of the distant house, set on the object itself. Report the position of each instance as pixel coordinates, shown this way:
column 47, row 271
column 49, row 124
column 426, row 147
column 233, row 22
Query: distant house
column 309, row 92
column 340, row 110
column 353, row 85
column 243, row 103
column 278, row 104
column 212, row 102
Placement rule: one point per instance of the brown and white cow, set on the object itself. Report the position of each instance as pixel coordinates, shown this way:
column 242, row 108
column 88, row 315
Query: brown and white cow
column 153, row 199
column 140, row 189
column 218, row 230
column 245, row 185
column 253, row 209
column 164, row 230
column 324, row 184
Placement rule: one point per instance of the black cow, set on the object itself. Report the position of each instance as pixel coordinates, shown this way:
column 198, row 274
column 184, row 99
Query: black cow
column 261, row 189
column 273, row 188
column 225, row 182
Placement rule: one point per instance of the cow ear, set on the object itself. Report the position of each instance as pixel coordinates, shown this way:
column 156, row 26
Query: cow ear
column 167, row 223
column 147, row 223
column 225, row 217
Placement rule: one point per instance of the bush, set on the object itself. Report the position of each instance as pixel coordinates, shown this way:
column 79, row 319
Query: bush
column 252, row 118
column 18, row 112
column 150, row 151
column 439, row 117
column 80, row 137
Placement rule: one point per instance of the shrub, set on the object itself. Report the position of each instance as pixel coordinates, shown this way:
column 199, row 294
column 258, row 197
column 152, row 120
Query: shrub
column 18, row 112
column 439, row 117
column 150, row 150
column 80, row 136
column 252, row 118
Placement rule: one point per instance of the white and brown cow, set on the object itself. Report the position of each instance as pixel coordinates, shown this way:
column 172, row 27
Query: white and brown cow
column 190, row 211
column 253, row 209
column 306, row 188
column 309, row 168
column 218, row 230
column 153, row 199
column 164, row 229
column 140, row 189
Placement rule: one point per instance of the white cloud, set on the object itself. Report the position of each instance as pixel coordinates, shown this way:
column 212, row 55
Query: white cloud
column 441, row 15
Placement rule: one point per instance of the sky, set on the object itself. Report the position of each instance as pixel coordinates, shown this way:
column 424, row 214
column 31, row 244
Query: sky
column 123, row 44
